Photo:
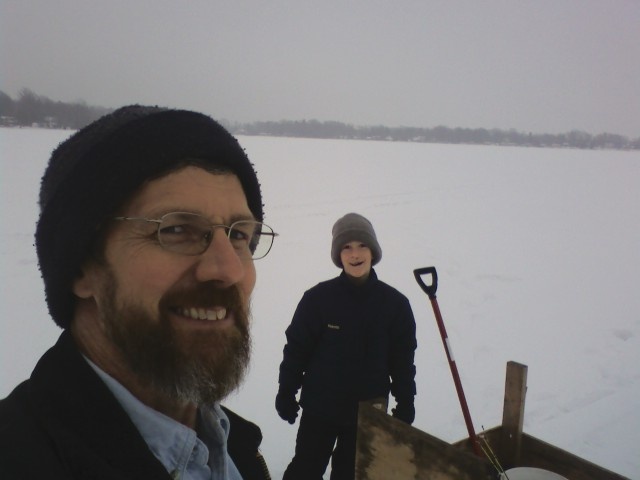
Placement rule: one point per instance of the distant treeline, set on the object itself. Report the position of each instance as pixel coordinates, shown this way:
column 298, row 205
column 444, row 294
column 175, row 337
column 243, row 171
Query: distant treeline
column 440, row 134
column 31, row 109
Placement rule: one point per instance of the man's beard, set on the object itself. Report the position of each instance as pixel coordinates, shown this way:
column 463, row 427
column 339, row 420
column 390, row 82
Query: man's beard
column 193, row 366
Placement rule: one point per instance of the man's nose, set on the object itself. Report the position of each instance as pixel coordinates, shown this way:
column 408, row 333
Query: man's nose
column 220, row 261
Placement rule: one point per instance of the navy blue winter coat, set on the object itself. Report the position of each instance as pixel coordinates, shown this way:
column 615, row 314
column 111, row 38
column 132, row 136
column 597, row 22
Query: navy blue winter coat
column 348, row 343
column 65, row 424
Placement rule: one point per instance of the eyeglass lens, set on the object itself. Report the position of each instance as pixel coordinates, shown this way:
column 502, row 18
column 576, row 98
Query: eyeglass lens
column 191, row 234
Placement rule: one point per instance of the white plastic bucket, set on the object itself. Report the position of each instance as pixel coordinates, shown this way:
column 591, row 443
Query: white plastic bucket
column 529, row 473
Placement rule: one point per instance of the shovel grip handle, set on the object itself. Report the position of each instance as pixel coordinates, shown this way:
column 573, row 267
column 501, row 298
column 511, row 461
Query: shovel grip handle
column 428, row 288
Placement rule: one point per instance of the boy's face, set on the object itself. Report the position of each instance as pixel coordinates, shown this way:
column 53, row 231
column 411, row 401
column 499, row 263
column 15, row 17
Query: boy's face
column 356, row 259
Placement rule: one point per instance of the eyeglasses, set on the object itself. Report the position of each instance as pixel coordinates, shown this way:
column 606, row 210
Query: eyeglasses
column 191, row 234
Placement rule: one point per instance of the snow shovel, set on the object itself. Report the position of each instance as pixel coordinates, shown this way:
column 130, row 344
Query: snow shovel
column 430, row 290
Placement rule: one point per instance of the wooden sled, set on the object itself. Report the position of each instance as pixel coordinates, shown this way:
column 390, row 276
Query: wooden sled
column 388, row 449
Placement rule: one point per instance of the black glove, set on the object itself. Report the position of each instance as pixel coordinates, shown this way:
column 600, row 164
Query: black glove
column 287, row 406
column 405, row 411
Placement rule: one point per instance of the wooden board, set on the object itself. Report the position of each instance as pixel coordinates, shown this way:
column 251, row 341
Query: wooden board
column 390, row 449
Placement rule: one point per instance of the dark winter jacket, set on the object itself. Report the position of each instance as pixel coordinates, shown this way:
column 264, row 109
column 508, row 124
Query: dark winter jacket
column 64, row 423
column 348, row 343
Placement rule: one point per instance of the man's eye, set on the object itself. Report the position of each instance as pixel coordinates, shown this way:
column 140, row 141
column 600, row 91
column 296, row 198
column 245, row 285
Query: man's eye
column 237, row 235
column 174, row 230
column 182, row 232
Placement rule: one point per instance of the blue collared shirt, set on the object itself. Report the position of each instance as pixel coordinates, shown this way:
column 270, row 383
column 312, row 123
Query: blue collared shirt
column 185, row 455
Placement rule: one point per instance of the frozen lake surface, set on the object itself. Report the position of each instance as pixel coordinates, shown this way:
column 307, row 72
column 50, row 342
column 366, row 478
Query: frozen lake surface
column 537, row 251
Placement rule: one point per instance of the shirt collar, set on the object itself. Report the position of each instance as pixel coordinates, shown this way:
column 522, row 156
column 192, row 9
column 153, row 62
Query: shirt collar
column 175, row 445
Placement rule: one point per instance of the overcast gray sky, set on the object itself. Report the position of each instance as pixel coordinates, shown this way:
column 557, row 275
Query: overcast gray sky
column 538, row 66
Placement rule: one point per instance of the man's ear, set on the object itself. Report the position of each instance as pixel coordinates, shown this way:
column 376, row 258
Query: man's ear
column 85, row 284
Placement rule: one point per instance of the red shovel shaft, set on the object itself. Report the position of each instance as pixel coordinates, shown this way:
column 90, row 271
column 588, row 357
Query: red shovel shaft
column 430, row 290
column 456, row 377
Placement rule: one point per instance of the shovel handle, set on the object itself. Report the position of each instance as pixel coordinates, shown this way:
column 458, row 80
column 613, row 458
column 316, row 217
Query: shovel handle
column 429, row 289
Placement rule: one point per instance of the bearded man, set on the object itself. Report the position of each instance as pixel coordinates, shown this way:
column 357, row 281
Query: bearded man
column 150, row 222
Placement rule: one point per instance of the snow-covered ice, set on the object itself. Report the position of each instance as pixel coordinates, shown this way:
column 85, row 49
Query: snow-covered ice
column 537, row 252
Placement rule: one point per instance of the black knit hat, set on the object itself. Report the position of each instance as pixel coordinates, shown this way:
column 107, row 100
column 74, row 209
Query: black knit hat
column 91, row 174
column 354, row 227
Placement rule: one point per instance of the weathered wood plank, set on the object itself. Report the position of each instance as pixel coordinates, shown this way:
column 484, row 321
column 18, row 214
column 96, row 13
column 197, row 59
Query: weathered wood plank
column 390, row 449
column 539, row 454
column 515, row 392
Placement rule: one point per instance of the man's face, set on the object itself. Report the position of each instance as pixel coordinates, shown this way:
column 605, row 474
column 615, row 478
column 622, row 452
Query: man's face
column 356, row 259
column 180, row 323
